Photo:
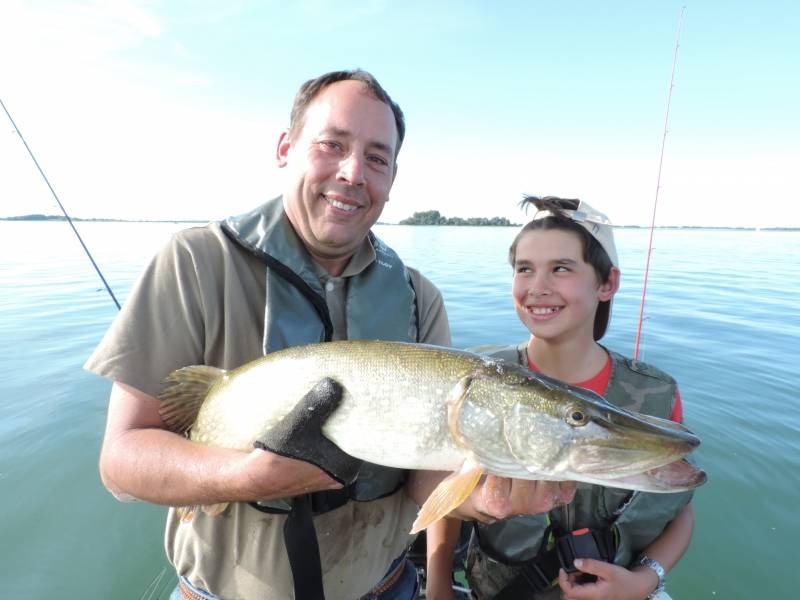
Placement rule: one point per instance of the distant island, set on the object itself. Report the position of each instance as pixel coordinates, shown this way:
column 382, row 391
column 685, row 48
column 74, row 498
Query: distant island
column 79, row 219
column 433, row 217
column 427, row 217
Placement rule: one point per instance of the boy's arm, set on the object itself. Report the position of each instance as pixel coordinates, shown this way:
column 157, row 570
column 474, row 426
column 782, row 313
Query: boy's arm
column 441, row 542
column 669, row 547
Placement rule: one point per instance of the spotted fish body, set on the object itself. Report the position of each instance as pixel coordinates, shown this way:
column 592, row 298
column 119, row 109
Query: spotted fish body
column 414, row 406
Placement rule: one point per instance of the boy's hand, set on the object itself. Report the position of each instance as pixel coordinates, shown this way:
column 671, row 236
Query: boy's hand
column 613, row 582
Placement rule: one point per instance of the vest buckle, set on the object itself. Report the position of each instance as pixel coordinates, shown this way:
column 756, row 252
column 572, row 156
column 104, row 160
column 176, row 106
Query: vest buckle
column 585, row 543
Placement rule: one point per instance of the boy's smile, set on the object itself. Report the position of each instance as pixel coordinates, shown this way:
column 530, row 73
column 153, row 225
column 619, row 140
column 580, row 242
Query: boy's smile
column 543, row 312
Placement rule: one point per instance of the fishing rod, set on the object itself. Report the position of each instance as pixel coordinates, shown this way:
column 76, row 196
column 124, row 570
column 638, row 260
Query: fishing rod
column 658, row 185
column 69, row 220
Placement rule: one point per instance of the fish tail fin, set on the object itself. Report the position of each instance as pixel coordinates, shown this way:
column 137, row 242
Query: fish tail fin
column 449, row 494
column 215, row 509
column 183, row 394
column 186, row 513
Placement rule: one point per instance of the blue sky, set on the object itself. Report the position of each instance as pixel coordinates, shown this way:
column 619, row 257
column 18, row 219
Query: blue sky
column 150, row 110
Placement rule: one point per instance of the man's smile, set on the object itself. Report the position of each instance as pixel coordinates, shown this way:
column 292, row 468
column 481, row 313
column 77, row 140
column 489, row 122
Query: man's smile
column 340, row 203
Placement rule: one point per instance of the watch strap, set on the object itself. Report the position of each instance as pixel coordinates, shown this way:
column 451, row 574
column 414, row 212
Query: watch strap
column 658, row 569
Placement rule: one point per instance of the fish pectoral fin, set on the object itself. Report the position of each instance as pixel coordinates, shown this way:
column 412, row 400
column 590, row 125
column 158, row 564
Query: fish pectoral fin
column 449, row 494
column 183, row 394
column 454, row 402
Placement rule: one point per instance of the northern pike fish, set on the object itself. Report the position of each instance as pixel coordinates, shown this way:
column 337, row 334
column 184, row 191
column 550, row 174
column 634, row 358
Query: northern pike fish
column 416, row 406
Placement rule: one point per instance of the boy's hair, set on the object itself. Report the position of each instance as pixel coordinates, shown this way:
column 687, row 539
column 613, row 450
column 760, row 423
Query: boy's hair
column 309, row 90
column 560, row 214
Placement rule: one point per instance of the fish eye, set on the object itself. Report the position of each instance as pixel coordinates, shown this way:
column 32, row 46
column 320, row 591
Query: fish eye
column 576, row 417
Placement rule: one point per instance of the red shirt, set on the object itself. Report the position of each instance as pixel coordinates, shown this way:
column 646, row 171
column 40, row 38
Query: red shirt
column 599, row 383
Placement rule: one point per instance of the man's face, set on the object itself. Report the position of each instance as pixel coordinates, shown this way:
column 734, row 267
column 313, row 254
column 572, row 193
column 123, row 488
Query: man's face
column 341, row 166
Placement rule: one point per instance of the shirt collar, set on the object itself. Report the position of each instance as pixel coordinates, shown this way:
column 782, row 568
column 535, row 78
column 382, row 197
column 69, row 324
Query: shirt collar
column 363, row 257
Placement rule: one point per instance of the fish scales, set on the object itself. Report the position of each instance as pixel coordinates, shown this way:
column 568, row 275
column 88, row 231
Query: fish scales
column 386, row 395
column 415, row 406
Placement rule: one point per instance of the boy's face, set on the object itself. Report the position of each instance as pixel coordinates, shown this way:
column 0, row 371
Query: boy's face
column 555, row 291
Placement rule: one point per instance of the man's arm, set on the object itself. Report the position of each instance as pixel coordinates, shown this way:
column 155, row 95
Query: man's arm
column 140, row 459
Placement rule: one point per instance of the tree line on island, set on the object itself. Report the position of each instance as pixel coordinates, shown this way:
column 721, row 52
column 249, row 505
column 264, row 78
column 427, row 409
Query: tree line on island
column 428, row 217
column 40, row 217
column 434, row 217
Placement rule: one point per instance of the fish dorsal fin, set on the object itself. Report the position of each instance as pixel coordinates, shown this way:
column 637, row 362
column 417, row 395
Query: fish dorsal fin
column 449, row 494
column 184, row 392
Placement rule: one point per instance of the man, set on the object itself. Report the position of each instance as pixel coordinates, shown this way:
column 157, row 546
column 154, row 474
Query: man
column 301, row 268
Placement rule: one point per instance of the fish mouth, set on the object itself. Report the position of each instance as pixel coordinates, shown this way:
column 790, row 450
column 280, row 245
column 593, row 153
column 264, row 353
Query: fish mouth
column 679, row 475
column 623, row 444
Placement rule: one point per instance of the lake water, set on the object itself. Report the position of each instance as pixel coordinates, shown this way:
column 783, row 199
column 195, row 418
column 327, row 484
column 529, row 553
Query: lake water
column 723, row 313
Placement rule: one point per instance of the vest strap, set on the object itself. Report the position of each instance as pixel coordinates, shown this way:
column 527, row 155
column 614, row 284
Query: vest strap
column 320, row 502
column 537, row 574
column 534, row 577
column 302, row 548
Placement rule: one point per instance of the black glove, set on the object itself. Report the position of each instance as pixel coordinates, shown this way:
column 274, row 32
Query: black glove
column 299, row 434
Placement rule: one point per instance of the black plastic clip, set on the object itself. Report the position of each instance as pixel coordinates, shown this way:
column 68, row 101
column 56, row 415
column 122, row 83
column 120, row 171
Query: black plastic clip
column 584, row 543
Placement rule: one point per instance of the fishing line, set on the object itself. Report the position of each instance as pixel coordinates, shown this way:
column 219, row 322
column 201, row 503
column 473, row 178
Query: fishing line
column 69, row 220
column 658, row 185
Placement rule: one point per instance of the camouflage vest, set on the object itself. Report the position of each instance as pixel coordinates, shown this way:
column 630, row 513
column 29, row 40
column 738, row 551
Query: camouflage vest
column 296, row 313
column 637, row 518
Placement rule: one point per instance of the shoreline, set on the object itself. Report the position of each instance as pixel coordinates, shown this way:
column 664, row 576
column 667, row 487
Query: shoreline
column 58, row 218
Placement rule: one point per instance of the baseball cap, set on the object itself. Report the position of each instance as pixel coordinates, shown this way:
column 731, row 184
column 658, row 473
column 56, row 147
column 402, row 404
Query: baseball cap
column 592, row 220
column 599, row 227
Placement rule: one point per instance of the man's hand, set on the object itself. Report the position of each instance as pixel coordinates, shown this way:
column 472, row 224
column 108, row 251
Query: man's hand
column 269, row 476
column 142, row 459
column 299, row 434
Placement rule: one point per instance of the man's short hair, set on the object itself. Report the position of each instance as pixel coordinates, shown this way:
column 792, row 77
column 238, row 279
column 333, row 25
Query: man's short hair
column 309, row 90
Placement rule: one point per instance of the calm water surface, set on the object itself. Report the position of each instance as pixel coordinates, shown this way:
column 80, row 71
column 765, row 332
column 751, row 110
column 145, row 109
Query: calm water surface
column 723, row 317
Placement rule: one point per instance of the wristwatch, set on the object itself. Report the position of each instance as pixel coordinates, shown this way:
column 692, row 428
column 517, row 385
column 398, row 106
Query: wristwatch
column 650, row 563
